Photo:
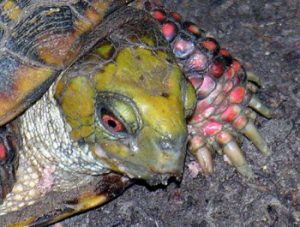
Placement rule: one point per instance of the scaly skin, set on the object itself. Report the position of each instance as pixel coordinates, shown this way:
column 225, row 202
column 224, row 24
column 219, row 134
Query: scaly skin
column 224, row 93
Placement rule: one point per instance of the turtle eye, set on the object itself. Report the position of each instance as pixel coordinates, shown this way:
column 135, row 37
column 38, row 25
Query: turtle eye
column 112, row 123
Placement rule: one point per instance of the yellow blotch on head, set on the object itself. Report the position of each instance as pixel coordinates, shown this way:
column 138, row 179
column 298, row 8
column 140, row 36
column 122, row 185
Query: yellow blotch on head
column 150, row 80
column 105, row 51
column 78, row 106
column 136, row 67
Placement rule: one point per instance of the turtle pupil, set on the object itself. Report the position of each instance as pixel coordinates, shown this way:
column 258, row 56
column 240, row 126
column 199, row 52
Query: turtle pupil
column 111, row 124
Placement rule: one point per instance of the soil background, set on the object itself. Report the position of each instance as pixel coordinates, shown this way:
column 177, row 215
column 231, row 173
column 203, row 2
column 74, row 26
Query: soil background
column 265, row 35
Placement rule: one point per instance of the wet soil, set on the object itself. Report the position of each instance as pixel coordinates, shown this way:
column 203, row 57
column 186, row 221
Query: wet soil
column 265, row 35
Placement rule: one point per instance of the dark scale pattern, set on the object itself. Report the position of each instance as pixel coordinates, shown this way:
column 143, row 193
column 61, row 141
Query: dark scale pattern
column 4, row 17
column 134, row 32
column 116, row 4
column 81, row 6
column 35, row 29
column 22, row 3
column 8, row 65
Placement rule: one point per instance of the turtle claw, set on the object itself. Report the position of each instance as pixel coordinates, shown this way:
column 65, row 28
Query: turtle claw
column 230, row 149
column 256, row 104
column 251, row 132
column 254, row 78
column 237, row 158
column 204, row 158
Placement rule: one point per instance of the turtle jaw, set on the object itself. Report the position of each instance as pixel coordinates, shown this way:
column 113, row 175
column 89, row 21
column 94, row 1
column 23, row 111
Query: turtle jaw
column 153, row 160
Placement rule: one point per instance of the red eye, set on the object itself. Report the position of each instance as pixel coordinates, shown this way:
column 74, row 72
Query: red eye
column 112, row 123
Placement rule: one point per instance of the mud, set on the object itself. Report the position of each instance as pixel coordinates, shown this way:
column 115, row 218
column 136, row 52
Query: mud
column 265, row 35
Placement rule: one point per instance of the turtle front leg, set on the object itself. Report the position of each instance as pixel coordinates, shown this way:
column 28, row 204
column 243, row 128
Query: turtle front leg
column 102, row 190
column 225, row 93
column 8, row 159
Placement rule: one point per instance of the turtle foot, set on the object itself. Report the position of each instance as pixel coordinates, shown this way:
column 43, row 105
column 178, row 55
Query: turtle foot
column 226, row 98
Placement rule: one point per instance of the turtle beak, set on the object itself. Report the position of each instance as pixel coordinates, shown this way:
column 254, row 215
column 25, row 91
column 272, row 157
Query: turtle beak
column 154, row 158
column 166, row 159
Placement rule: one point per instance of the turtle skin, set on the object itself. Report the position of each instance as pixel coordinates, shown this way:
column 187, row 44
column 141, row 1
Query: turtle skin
column 93, row 51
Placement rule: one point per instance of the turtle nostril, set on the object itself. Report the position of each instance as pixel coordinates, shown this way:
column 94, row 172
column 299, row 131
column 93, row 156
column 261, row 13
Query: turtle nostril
column 174, row 145
column 167, row 144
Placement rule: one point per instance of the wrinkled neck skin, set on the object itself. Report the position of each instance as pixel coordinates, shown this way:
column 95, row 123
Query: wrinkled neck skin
column 48, row 148
column 49, row 160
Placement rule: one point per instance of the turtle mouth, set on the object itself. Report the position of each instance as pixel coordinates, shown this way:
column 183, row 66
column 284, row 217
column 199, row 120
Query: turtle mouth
column 153, row 176
column 163, row 179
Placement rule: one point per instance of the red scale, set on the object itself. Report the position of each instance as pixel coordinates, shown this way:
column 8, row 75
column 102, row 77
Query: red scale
column 169, row 30
column 2, row 152
column 159, row 15
column 217, row 69
column 237, row 95
column 197, row 61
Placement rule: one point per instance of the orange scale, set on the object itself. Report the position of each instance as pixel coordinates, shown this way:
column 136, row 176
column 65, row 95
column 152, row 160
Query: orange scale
column 223, row 137
column 197, row 61
column 209, row 44
column 202, row 106
column 169, row 30
column 2, row 152
column 217, row 69
column 176, row 16
column 208, row 112
column 182, row 48
column 236, row 65
column 229, row 73
column 211, row 128
column 224, row 52
column 240, row 122
column 196, row 118
column 231, row 113
column 227, row 86
column 237, row 95
column 196, row 142
column 192, row 28
column 159, row 15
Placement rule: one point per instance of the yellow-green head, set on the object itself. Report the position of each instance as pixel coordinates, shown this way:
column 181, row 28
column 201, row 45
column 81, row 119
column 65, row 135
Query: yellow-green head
column 132, row 112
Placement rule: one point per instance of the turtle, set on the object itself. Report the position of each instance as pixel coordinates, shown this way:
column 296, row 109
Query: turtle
column 97, row 94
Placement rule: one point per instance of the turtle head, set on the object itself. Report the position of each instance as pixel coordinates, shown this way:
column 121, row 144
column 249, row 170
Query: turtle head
column 132, row 112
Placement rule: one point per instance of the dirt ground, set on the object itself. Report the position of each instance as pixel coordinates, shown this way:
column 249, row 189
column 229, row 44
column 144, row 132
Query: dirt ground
column 265, row 35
